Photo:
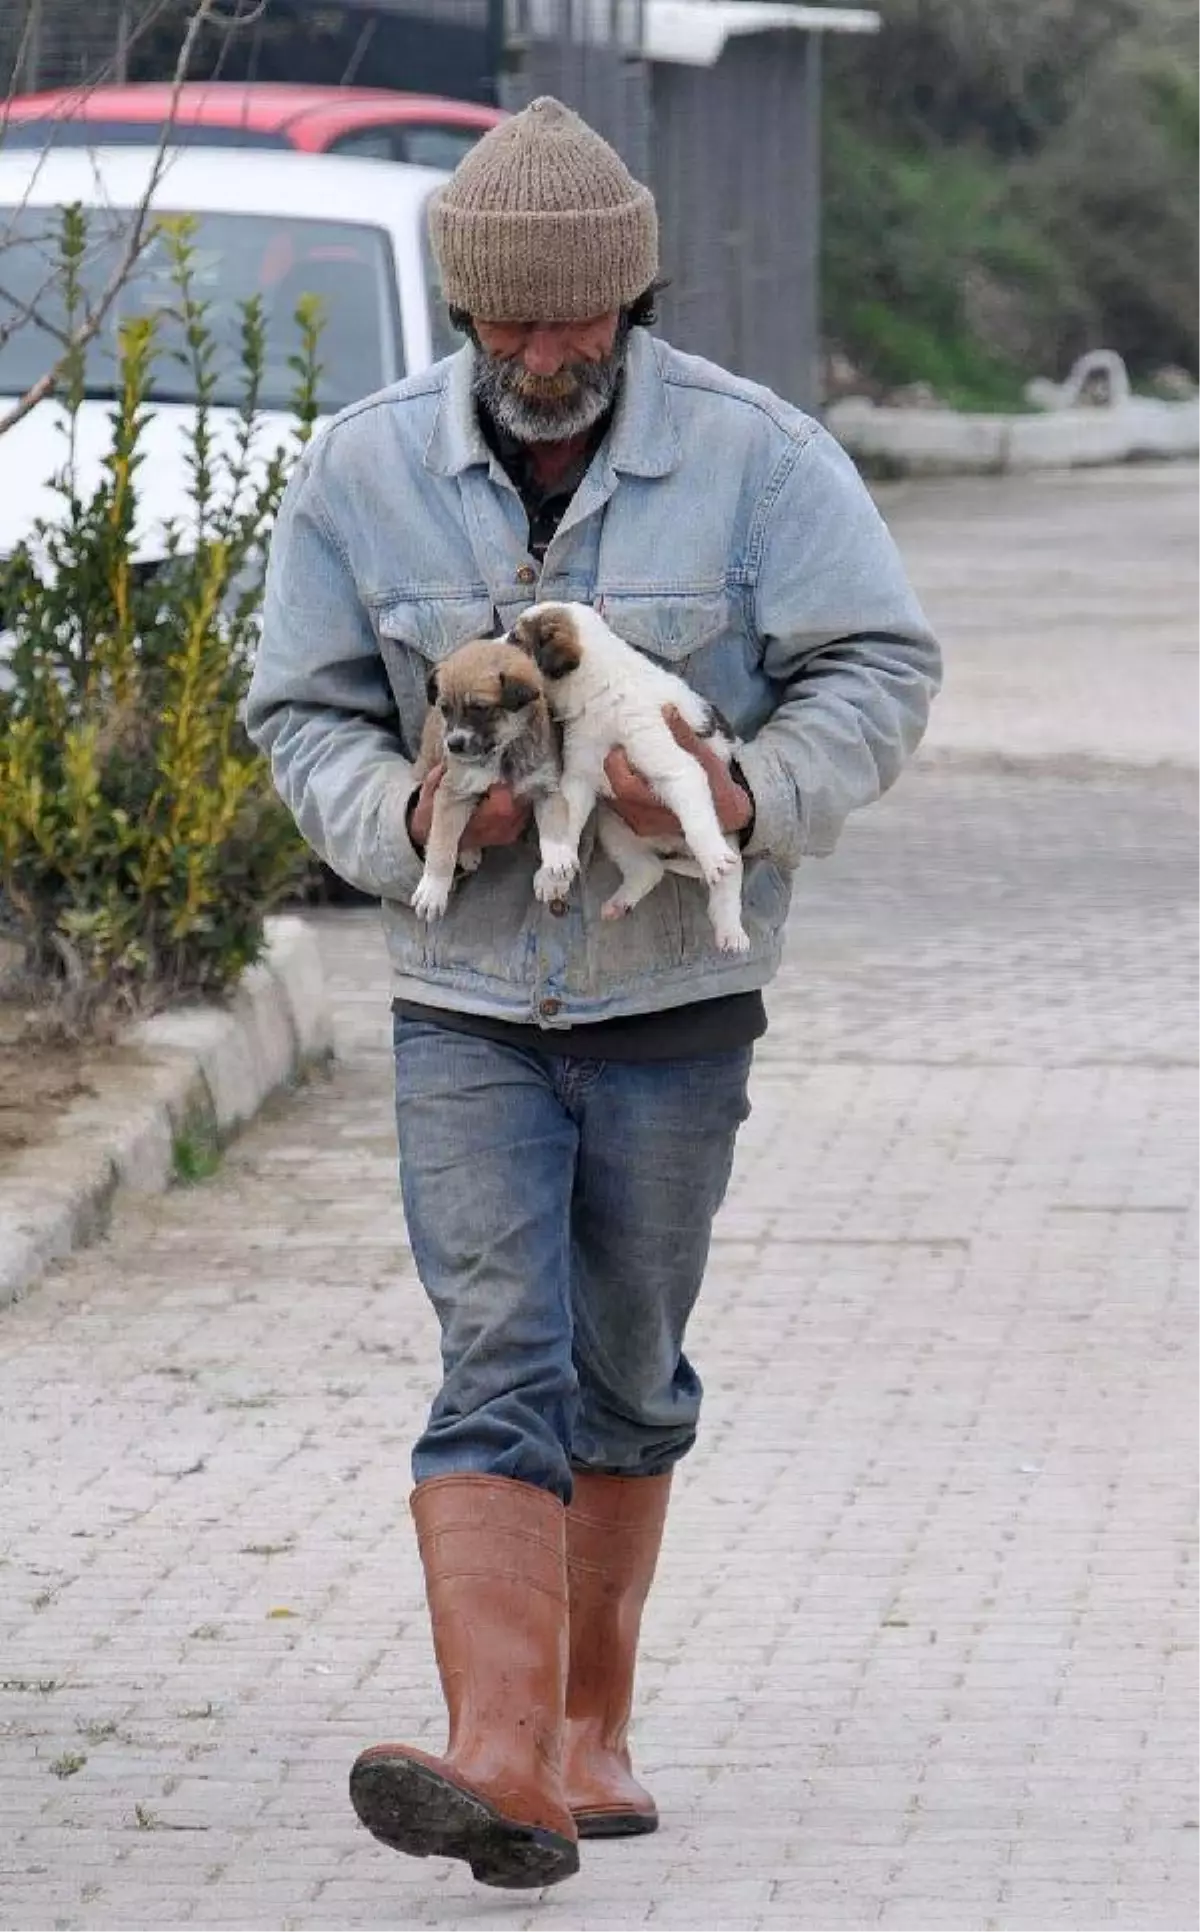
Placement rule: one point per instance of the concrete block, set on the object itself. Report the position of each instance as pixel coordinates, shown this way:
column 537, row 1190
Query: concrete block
column 220, row 1062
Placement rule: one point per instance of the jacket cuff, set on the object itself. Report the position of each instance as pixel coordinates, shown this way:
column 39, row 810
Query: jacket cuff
column 778, row 829
column 398, row 865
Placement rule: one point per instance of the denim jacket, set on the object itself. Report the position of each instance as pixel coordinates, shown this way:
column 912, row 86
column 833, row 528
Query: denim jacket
column 719, row 530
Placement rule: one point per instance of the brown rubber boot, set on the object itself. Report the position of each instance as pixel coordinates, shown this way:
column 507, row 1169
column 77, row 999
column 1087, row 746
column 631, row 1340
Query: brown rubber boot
column 495, row 1577
column 614, row 1529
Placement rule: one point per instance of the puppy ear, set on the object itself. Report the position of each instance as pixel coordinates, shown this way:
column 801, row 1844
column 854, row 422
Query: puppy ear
column 431, row 687
column 515, row 693
column 549, row 637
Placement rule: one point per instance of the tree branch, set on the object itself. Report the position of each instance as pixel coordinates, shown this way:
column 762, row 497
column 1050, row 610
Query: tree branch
column 209, row 12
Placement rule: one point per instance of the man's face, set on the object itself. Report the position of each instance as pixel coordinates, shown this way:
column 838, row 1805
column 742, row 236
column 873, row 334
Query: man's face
column 544, row 382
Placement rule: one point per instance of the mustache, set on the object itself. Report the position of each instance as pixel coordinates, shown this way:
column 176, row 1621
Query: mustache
column 543, row 387
column 556, row 388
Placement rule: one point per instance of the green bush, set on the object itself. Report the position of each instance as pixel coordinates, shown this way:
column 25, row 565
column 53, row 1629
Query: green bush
column 1114, row 192
column 141, row 841
column 910, row 242
column 1008, row 183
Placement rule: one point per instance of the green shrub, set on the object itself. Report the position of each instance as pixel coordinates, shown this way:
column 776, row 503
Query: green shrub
column 141, row 841
column 911, row 237
column 1008, row 183
column 1114, row 192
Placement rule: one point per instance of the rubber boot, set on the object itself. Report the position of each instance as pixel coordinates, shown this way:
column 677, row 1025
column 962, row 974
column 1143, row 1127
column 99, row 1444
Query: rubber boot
column 614, row 1529
column 495, row 1577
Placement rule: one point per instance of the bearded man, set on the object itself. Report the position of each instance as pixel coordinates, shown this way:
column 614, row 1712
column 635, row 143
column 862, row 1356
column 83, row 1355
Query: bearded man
column 568, row 1089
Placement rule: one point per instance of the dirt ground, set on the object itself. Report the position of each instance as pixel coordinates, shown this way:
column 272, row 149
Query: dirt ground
column 37, row 1082
column 38, row 1079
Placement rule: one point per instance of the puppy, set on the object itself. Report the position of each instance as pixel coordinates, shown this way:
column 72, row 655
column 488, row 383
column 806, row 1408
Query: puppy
column 490, row 724
column 605, row 694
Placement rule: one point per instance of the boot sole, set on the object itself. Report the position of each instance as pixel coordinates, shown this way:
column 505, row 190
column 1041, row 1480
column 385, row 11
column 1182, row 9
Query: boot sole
column 614, row 1824
column 412, row 1809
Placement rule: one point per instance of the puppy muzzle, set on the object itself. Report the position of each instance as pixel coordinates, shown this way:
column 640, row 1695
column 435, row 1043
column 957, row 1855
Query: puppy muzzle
column 466, row 744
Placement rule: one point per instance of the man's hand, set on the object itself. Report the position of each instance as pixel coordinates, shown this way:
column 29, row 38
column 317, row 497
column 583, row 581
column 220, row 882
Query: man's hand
column 644, row 812
column 498, row 819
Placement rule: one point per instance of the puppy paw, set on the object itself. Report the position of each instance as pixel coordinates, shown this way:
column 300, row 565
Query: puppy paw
column 733, row 939
column 431, row 897
column 716, row 863
column 470, row 860
column 553, row 881
column 616, row 907
column 557, row 856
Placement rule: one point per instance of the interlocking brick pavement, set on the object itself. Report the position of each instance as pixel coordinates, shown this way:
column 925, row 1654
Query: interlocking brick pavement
column 1069, row 604
column 922, row 1649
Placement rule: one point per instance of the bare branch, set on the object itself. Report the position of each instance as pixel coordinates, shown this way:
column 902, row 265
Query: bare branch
column 228, row 23
column 81, row 93
column 139, row 235
column 30, row 312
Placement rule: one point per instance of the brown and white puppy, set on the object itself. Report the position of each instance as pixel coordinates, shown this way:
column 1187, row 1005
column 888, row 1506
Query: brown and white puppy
column 489, row 723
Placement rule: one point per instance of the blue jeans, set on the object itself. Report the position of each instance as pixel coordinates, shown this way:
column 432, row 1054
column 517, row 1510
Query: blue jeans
column 560, row 1212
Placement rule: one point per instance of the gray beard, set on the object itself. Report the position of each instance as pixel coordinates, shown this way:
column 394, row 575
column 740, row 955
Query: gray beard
column 540, row 409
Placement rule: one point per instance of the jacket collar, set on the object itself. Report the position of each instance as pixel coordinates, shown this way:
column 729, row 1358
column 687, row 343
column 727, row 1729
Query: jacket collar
column 642, row 441
column 456, row 441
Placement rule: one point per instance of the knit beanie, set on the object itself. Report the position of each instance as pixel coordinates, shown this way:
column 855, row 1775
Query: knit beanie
column 543, row 222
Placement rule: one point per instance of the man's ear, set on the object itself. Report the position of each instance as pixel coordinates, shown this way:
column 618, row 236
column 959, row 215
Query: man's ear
column 431, row 688
column 550, row 639
column 515, row 693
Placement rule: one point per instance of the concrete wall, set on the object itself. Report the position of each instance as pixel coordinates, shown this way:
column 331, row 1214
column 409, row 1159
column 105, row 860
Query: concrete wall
column 932, row 442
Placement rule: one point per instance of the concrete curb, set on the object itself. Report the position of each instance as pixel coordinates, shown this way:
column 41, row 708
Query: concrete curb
column 1076, row 766
column 200, row 1069
column 941, row 442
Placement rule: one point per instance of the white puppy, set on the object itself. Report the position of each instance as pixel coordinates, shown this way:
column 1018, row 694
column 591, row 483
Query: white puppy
column 604, row 693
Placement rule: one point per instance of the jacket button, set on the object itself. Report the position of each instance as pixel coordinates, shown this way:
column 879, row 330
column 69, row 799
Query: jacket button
column 558, row 907
column 527, row 574
column 548, row 1008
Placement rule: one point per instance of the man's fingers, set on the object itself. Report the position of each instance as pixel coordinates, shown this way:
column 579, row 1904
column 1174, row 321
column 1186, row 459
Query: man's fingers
column 618, row 770
column 498, row 819
column 628, row 785
column 681, row 730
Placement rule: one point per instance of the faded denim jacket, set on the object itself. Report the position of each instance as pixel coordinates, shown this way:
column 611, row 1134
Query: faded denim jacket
column 719, row 530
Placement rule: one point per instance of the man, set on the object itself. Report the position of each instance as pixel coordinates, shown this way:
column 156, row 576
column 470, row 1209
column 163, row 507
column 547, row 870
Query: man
column 568, row 1091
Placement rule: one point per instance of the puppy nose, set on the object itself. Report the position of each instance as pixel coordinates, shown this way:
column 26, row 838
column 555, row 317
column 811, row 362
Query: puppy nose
column 458, row 741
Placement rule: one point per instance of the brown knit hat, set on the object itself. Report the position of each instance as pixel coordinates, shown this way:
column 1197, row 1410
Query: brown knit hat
column 543, row 222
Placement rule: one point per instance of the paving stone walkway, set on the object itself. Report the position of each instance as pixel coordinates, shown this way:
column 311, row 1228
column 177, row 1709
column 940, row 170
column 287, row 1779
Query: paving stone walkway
column 922, row 1653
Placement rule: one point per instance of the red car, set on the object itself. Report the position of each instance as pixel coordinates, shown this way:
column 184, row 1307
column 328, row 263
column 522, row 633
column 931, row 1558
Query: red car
column 372, row 123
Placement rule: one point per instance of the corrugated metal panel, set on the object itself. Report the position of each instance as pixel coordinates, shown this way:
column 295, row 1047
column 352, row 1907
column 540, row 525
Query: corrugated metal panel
column 735, row 170
column 588, row 54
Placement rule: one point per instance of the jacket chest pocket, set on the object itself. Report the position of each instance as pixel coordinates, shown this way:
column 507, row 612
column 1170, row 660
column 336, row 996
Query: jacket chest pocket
column 706, row 640
column 670, row 627
column 417, row 633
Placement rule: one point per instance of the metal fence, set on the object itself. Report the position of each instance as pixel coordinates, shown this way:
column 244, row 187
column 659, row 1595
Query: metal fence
column 69, row 45
column 430, row 46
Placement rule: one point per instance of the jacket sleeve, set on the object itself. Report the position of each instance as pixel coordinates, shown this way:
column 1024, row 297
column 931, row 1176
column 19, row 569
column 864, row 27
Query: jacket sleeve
column 320, row 704
column 846, row 642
